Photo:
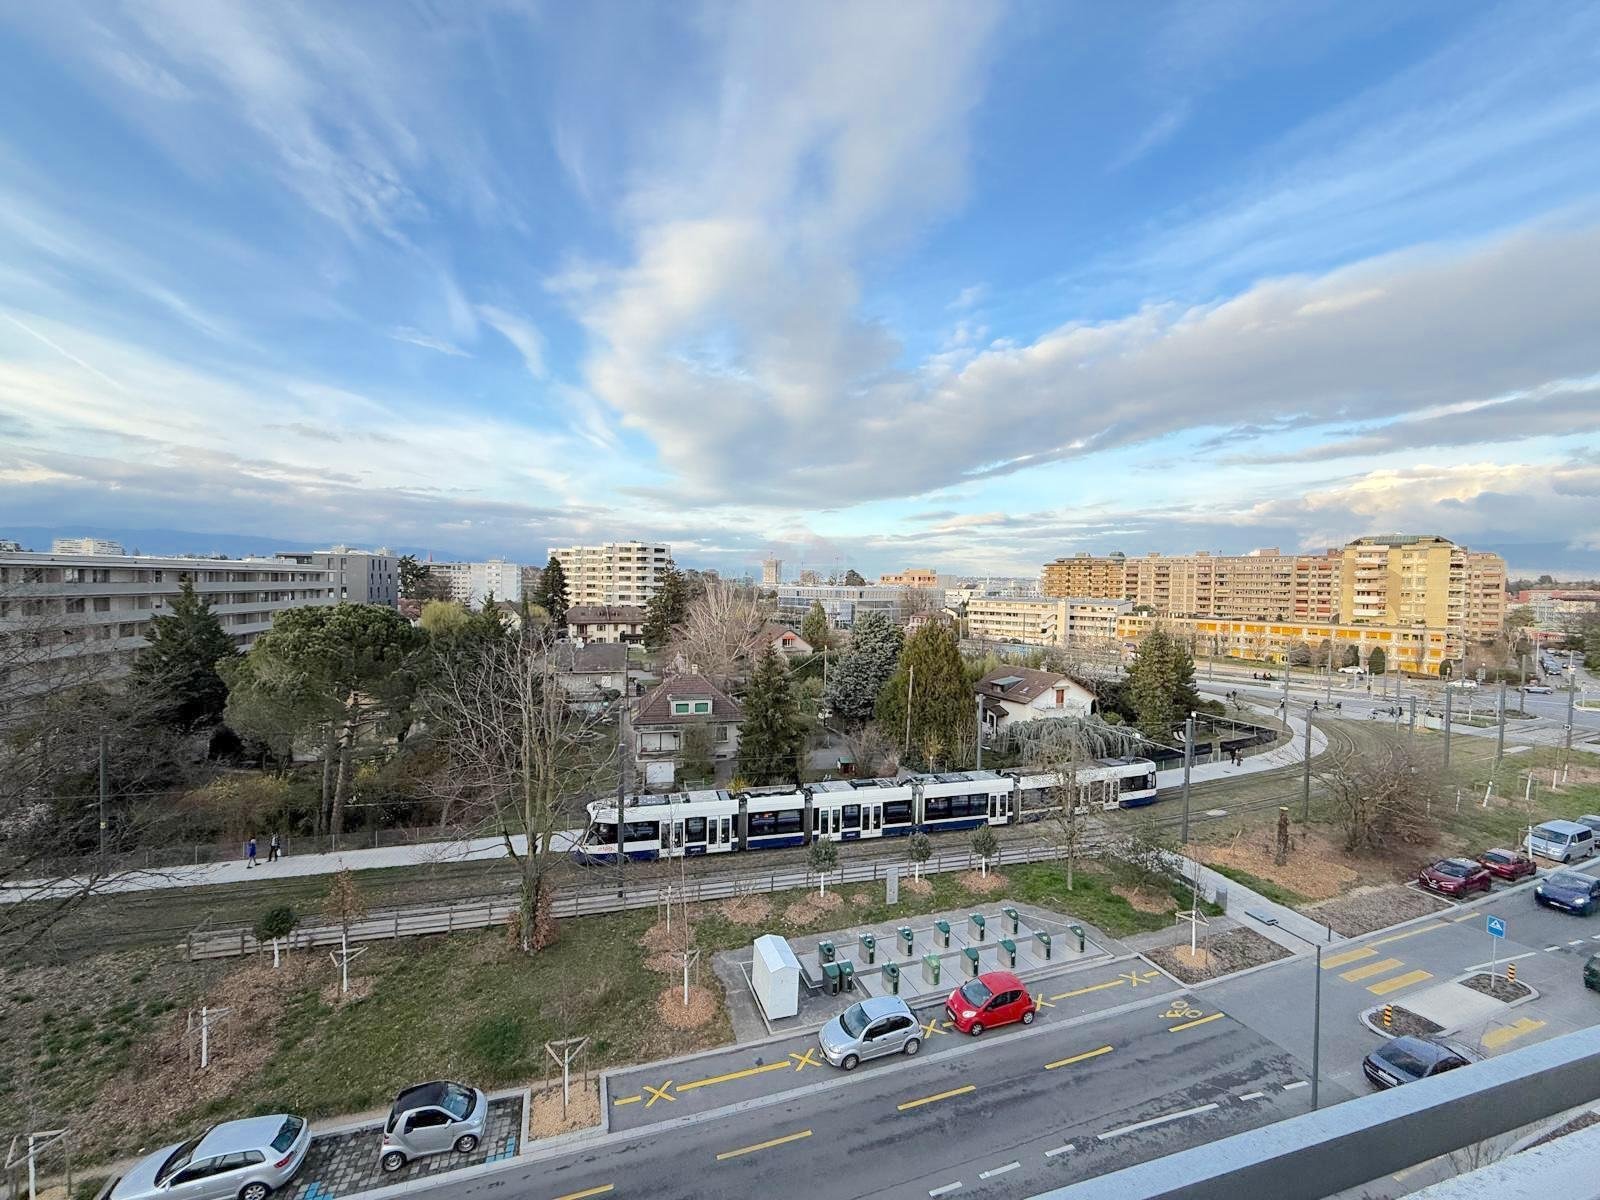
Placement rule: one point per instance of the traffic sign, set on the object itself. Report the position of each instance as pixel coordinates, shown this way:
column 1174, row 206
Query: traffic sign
column 1497, row 926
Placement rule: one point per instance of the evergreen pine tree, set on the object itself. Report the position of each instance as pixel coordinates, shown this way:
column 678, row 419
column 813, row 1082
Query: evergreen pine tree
column 1161, row 685
column 815, row 626
column 943, row 712
column 771, row 736
column 177, row 670
column 855, row 680
column 552, row 595
column 666, row 609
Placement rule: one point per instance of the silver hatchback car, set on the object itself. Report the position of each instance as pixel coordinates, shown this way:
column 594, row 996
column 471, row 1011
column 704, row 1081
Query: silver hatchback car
column 870, row 1029
column 431, row 1118
column 246, row 1159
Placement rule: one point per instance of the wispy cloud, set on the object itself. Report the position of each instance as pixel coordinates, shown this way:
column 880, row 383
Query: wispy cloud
column 427, row 341
column 520, row 332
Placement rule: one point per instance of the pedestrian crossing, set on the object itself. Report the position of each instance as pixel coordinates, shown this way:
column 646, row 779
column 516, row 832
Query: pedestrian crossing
column 1381, row 973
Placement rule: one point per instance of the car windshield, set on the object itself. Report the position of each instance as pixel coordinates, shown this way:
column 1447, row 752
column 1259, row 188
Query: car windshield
column 457, row 1101
column 1499, row 859
column 1410, row 1058
column 976, row 993
column 287, row 1132
column 854, row 1020
column 1554, row 836
column 1568, row 879
column 178, row 1160
column 1450, row 868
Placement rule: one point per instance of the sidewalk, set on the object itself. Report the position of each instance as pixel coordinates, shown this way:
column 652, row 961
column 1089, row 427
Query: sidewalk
column 1294, row 931
column 1286, row 754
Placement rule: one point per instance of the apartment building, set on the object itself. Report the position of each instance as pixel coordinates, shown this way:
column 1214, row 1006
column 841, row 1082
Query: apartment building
column 917, row 577
column 771, row 572
column 1086, row 575
column 613, row 572
column 85, row 545
column 606, row 623
column 358, row 576
column 94, row 610
column 471, row 583
column 1412, row 649
column 1487, row 601
column 1558, row 610
column 844, row 604
column 1065, row 621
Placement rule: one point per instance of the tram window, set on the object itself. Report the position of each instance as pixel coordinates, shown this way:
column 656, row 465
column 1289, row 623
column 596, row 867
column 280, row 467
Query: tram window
column 762, row 823
column 605, row 835
column 938, row 807
column 852, row 816
column 642, row 831
column 792, row 821
column 897, row 812
column 694, row 829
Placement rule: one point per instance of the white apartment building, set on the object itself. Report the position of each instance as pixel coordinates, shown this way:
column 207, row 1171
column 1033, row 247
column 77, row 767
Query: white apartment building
column 614, row 572
column 471, row 583
column 1040, row 622
column 75, row 607
column 358, row 576
column 85, row 545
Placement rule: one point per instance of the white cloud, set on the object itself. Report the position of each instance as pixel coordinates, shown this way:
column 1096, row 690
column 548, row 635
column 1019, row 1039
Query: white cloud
column 427, row 341
column 520, row 332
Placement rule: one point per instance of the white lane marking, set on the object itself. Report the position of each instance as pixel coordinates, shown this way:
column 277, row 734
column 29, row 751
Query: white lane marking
column 1299, row 1083
column 1252, row 1095
column 990, row 1174
column 1547, row 949
column 1067, row 1149
column 1513, row 958
column 1575, row 942
column 946, row 1189
column 1188, row 1112
column 1596, row 937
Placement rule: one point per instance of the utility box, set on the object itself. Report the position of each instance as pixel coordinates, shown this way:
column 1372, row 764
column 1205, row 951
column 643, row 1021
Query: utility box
column 1008, row 952
column 1012, row 921
column 930, row 970
column 891, row 977
column 825, row 952
column 1077, row 932
column 869, row 948
column 830, row 978
column 906, row 938
column 977, row 927
column 1042, row 940
column 847, row 975
column 969, row 960
column 775, row 976
column 941, row 930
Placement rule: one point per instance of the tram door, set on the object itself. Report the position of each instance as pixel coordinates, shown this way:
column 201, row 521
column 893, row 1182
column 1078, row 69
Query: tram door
column 850, row 821
column 674, row 849
column 872, row 817
column 694, row 835
column 995, row 806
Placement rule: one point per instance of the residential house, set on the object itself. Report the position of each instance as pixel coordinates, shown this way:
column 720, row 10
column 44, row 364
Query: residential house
column 593, row 675
column 782, row 639
column 1014, row 694
column 664, row 714
column 606, row 623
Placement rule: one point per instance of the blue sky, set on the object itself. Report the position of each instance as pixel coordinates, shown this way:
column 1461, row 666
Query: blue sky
column 967, row 286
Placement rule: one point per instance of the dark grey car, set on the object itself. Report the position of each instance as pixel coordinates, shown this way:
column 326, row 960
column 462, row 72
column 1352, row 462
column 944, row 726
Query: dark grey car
column 870, row 1029
column 1408, row 1059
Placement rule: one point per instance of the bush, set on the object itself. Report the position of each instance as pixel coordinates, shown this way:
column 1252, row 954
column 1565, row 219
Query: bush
column 277, row 922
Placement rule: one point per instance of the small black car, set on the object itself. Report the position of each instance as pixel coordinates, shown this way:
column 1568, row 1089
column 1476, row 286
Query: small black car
column 1408, row 1059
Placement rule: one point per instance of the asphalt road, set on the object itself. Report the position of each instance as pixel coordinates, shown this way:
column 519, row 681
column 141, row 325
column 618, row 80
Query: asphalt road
column 1022, row 1111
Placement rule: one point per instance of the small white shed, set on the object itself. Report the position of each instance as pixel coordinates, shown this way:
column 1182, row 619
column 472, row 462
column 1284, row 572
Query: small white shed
column 775, row 975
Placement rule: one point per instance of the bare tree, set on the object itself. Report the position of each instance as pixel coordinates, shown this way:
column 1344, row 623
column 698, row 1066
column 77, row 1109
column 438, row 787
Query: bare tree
column 1062, row 758
column 717, row 627
column 521, row 756
column 1381, row 796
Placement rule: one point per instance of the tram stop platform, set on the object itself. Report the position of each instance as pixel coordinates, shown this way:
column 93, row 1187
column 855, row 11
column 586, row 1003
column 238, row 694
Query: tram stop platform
column 920, row 959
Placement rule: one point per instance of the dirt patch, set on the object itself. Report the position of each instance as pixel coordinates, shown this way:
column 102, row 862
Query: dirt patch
column 1145, row 901
column 658, row 939
column 980, row 884
column 360, row 988
column 747, row 910
column 1405, row 1023
column 548, row 1118
column 861, row 899
column 1315, row 866
column 917, row 887
column 1369, row 908
column 1498, row 986
column 803, row 912
column 1223, row 954
column 697, row 1014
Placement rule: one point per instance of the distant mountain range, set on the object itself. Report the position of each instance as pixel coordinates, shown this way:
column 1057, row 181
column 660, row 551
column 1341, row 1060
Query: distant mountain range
column 188, row 541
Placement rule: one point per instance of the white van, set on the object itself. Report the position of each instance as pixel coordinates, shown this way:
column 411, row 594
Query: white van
column 1563, row 841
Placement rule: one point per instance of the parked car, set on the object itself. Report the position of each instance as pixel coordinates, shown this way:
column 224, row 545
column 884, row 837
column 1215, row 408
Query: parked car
column 1408, row 1059
column 1589, row 819
column 1591, row 972
column 870, row 1029
column 1569, row 891
column 1538, row 689
column 1507, row 864
column 1352, row 670
column 1563, row 841
column 431, row 1118
column 1456, row 877
column 991, row 999
column 1463, row 685
column 246, row 1159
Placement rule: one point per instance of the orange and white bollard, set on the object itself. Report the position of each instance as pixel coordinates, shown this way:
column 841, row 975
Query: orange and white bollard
column 1388, row 1015
column 1511, row 972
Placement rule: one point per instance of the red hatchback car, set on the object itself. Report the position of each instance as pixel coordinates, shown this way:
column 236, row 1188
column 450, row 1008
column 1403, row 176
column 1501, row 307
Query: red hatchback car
column 993, row 998
column 1456, row 877
column 1507, row 864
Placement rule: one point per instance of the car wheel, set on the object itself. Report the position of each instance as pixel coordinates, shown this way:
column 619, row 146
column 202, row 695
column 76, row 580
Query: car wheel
column 254, row 1191
column 466, row 1143
column 1027, row 1017
column 851, row 1062
column 392, row 1161
column 912, row 1047
column 976, row 1030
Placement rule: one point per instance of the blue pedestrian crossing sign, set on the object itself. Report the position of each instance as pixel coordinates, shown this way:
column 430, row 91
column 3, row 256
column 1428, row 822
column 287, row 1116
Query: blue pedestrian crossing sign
column 1497, row 927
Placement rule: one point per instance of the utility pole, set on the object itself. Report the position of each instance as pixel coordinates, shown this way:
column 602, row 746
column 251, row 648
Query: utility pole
column 1328, row 695
column 1305, row 773
column 911, row 679
column 1448, row 694
column 622, row 774
column 104, row 790
column 1413, row 716
column 1500, row 734
column 1188, row 760
column 980, row 733
column 1572, row 696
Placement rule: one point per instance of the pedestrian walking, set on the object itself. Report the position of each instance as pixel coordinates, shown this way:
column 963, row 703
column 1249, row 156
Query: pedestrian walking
column 274, row 850
column 250, row 852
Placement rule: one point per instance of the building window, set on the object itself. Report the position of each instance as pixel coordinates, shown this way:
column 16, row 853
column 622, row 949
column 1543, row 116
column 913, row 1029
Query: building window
column 702, row 707
column 680, row 708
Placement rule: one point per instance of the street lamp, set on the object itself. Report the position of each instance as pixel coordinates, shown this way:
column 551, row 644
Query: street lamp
column 1316, row 1005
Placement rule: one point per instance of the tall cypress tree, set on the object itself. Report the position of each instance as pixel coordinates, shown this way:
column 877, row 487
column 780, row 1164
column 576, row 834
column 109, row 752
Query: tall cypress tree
column 944, row 721
column 176, row 672
column 552, row 595
column 771, row 737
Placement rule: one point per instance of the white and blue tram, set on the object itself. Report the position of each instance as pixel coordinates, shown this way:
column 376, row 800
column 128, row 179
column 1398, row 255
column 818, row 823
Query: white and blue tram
column 677, row 824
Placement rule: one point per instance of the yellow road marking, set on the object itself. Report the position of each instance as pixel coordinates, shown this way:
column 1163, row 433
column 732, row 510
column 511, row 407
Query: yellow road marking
column 1380, row 967
column 1496, row 1038
column 659, row 1093
column 1084, row 991
column 628, row 1100
column 960, row 1091
column 779, row 1141
column 1216, row 1016
column 1395, row 937
column 1138, row 977
column 1040, row 1002
column 1465, row 917
column 802, row 1061
column 1330, row 961
column 595, row 1191
column 1077, row 1058
column 932, row 1027
column 1384, row 987
column 732, row 1075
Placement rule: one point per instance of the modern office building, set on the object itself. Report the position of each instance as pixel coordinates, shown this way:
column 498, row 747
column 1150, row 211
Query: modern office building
column 471, row 583
column 614, row 572
column 85, row 545
column 358, row 576
column 91, row 611
column 844, row 604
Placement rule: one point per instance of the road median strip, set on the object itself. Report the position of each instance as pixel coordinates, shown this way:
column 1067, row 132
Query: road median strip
column 960, row 1091
column 767, row 1145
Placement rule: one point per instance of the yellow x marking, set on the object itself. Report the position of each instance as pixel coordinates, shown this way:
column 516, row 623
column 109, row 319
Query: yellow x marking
column 1137, row 977
column 1040, row 1002
column 932, row 1027
column 659, row 1093
column 802, row 1061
